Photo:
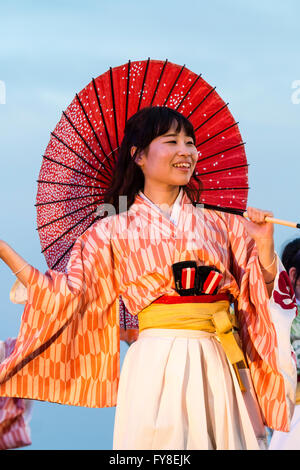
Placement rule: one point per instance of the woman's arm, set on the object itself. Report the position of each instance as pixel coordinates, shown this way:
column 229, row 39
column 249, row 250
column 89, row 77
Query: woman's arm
column 267, row 260
column 67, row 349
column 263, row 234
column 15, row 262
column 264, row 322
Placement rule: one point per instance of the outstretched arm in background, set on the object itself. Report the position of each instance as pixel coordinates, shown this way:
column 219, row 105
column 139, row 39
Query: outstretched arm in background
column 15, row 262
column 67, row 349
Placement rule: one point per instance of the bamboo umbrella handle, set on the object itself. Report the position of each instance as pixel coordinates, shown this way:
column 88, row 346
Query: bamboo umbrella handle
column 278, row 221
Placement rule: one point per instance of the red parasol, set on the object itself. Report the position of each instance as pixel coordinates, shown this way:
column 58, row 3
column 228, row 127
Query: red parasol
column 80, row 158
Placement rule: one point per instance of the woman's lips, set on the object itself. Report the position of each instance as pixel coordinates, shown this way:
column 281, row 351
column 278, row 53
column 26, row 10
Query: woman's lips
column 182, row 168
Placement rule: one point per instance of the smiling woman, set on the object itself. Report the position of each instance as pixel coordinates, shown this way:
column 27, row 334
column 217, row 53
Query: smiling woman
column 154, row 140
column 167, row 163
column 184, row 383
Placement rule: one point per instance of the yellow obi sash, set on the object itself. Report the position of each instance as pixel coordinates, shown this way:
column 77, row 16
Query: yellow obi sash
column 210, row 317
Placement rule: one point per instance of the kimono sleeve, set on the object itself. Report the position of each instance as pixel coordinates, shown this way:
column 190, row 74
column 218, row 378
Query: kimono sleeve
column 264, row 327
column 67, row 347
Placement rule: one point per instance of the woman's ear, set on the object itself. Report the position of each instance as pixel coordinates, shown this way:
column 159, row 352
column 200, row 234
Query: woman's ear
column 138, row 158
column 292, row 274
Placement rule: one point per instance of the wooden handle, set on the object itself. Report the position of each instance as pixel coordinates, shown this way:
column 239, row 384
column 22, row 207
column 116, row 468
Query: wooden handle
column 278, row 221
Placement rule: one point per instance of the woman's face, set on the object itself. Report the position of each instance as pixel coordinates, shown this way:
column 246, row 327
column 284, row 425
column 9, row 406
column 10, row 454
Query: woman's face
column 293, row 275
column 169, row 160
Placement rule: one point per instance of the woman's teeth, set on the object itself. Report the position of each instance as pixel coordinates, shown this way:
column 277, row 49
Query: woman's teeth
column 182, row 165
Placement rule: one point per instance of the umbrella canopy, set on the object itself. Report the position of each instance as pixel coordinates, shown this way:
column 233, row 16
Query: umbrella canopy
column 80, row 158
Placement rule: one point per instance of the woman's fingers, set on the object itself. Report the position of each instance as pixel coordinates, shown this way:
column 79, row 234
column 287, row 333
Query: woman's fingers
column 258, row 215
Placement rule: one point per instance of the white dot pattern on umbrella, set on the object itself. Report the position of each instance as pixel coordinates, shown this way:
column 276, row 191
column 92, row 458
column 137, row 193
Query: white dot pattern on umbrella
column 75, row 169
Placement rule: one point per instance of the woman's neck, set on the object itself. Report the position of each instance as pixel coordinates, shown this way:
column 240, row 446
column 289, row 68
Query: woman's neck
column 162, row 196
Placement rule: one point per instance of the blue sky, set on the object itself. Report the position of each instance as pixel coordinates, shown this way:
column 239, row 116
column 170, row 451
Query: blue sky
column 248, row 49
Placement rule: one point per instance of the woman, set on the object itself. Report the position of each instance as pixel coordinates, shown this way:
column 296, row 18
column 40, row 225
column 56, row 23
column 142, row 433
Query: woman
column 178, row 390
column 291, row 261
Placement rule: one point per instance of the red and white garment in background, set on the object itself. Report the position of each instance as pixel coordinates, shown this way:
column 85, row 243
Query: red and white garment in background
column 291, row 440
column 15, row 413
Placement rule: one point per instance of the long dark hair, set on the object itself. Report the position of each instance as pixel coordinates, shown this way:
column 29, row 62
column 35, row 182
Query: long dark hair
column 140, row 130
column 291, row 258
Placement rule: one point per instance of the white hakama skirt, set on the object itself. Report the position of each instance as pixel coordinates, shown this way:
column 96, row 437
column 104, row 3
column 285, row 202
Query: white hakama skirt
column 178, row 391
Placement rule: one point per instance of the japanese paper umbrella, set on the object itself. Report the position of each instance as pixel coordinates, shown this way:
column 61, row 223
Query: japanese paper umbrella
column 80, row 158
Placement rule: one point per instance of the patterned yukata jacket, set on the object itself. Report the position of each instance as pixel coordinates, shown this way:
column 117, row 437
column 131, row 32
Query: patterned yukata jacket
column 68, row 347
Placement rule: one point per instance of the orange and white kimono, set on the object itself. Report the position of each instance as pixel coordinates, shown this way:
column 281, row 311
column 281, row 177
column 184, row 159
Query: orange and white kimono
column 67, row 350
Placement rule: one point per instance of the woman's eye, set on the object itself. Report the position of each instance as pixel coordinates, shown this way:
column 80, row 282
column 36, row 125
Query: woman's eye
column 175, row 142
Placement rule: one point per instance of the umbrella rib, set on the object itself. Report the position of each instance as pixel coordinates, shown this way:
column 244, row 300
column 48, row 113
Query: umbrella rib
column 94, row 132
column 78, row 155
column 72, row 169
column 67, row 184
column 62, row 256
column 144, row 80
column 201, row 102
column 66, row 215
column 215, row 135
column 66, row 200
column 103, row 119
column 114, row 104
column 213, row 115
column 158, row 81
column 225, row 189
column 223, row 169
column 71, row 246
column 223, row 209
column 189, row 90
column 173, row 86
column 67, row 231
column 90, row 124
column 124, row 319
column 127, row 95
column 222, row 151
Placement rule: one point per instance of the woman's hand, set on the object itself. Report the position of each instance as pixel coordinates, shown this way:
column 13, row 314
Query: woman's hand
column 256, row 226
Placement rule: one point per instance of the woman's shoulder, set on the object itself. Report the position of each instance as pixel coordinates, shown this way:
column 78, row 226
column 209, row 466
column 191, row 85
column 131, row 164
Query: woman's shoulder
column 227, row 220
column 216, row 214
column 101, row 227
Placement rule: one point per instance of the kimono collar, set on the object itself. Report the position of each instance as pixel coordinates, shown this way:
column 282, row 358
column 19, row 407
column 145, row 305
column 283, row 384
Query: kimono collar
column 174, row 216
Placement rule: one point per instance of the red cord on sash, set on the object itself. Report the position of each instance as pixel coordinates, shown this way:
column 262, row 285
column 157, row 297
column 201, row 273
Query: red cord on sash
column 191, row 299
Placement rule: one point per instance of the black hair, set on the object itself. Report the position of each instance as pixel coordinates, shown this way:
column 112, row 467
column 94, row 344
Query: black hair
column 291, row 257
column 140, row 130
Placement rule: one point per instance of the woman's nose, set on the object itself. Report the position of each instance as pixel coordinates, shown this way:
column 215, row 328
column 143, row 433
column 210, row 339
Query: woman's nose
column 184, row 150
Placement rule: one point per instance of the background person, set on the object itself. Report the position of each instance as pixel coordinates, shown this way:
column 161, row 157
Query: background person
column 291, row 261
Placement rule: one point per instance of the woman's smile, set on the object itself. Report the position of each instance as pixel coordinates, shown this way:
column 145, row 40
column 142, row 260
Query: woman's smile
column 183, row 166
column 173, row 149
